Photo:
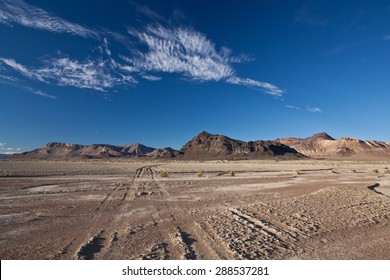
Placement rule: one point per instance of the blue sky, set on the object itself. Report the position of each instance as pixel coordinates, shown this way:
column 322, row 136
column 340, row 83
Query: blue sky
column 159, row 72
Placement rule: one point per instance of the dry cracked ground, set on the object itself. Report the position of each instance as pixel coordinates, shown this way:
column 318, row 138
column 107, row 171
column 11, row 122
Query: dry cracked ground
column 170, row 210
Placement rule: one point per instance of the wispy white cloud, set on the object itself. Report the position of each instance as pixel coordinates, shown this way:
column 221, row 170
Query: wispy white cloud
column 41, row 93
column 151, row 77
column 386, row 38
column 21, row 69
column 241, row 58
column 121, row 38
column 15, row 82
column 267, row 87
column 8, row 150
column 313, row 109
column 20, row 12
column 90, row 74
column 191, row 53
column 146, row 11
column 67, row 72
column 106, row 48
column 227, row 54
column 8, row 78
column 180, row 50
column 307, row 108
column 98, row 75
column 293, row 107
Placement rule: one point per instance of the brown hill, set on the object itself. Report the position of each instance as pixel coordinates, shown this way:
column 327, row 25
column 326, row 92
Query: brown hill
column 166, row 152
column 57, row 150
column 138, row 149
column 322, row 145
column 211, row 146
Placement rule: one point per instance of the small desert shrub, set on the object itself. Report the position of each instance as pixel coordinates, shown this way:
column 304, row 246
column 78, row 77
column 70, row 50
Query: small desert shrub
column 199, row 173
column 375, row 171
column 335, row 172
column 231, row 173
column 354, row 170
column 163, row 174
column 38, row 213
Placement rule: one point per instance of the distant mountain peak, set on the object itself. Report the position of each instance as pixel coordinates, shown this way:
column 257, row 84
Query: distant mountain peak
column 139, row 149
column 204, row 133
column 55, row 144
column 322, row 135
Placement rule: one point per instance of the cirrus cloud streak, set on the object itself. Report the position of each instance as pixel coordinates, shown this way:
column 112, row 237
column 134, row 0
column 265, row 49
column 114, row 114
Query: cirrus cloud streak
column 97, row 75
column 180, row 50
column 17, row 11
column 191, row 53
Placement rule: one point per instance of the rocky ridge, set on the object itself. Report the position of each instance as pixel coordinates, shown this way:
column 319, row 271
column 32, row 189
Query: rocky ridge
column 213, row 146
column 323, row 145
column 62, row 150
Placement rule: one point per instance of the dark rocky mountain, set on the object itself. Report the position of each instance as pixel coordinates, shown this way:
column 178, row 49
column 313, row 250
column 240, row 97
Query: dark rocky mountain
column 322, row 145
column 212, row 146
column 57, row 150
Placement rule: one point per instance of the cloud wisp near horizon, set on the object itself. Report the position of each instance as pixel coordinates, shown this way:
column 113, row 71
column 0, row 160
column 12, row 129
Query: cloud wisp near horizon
column 5, row 150
column 169, row 49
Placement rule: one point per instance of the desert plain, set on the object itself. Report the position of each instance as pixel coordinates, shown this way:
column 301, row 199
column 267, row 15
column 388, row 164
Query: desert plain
column 166, row 209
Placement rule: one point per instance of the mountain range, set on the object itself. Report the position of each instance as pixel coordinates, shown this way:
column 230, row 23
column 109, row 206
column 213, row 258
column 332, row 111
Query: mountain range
column 61, row 150
column 206, row 146
column 322, row 145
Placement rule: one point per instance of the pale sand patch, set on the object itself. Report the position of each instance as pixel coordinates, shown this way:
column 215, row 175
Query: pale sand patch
column 384, row 186
column 43, row 188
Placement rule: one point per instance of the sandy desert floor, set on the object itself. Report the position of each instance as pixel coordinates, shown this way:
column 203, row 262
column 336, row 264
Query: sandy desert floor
column 126, row 210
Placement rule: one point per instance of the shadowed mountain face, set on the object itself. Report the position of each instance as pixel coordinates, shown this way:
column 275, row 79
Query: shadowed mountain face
column 211, row 146
column 323, row 145
column 61, row 150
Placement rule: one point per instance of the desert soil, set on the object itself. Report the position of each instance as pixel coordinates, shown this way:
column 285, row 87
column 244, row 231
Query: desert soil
column 163, row 210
